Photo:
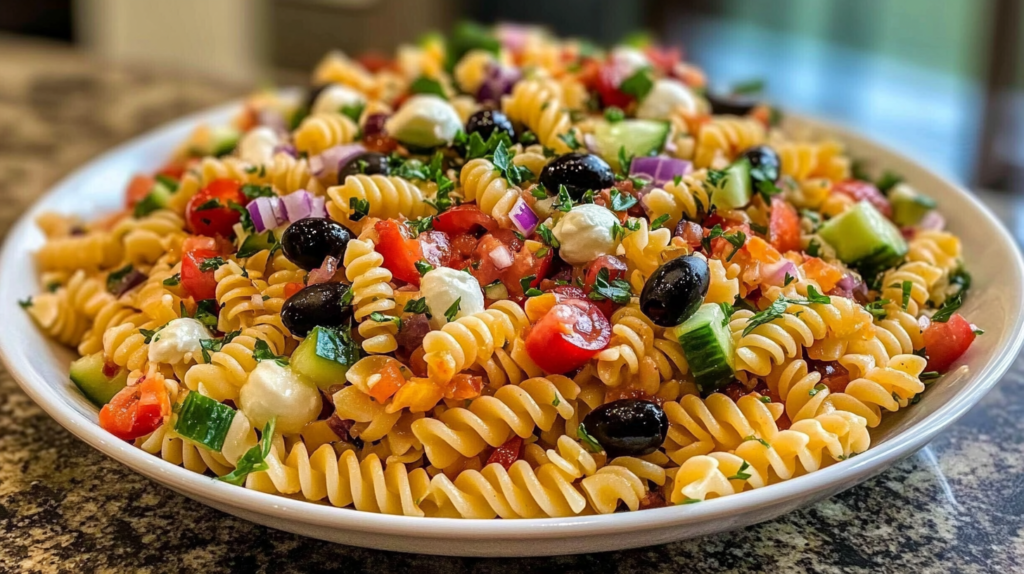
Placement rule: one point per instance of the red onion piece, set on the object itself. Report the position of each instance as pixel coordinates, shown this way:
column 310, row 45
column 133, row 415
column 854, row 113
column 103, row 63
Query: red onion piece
column 319, row 208
column 332, row 159
column 849, row 283
column 297, row 205
column 932, row 221
column 775, row 273
column 325, row 272
column 286, row 148
column 523, row 217
column 660, row 170
column 501, row 257
column 591, row 142
column 512, row 36
column 133, row 279
column 266, row 213
column 271, row 118
column 498, row 81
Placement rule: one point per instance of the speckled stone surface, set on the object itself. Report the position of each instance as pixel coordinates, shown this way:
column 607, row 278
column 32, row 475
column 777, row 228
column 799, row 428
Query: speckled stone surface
column 956, row 506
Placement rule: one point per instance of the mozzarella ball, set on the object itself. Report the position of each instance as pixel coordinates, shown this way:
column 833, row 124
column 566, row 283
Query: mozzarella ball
column 257, row 145
column 275, row 391
column 629, row 59
column 425, row 120
column 178, row 341
column 443, row 286
column 335, row 97
column 666, row 96
column 585, row 233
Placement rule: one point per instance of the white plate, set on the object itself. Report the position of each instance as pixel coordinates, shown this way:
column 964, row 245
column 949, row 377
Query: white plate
column 42, row 370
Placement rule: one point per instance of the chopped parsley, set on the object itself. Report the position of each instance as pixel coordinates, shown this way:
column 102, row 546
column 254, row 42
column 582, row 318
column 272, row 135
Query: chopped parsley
column 476, row 147
column 539, row 192
column 563, row 202
column 625, row 161
column 214, row 345
column 778, row 309
column 814, row 248
column 760, row 440
column 727, row 310
column 589, row 441
column 418, row 306
column 206, row 312
column 167, row 181
column 254, row 459
column 546, row 234
column 25, row 303
column 614, row 114
column 570, row 140
column 115, row 278
column 622, row 201
column 888, row 181
column 639, row 84
column 211, row 264
column 659, row 222
column 906, row 287
column 379, row 317
column 556, row 401
column 243, row 216
column 736, row 239
column 426, row 85
column 817, row 389
column 423, row 267
column 617, row 290
column 252, row 191
column 740, row 474
column 950, row 306
column 514, row 174
column 262, row 352
column 360, row 208
column 353, row 111
column 789, row 279
column 877, row 308
column 453, row 311
column 149, row 334
column 422, row 225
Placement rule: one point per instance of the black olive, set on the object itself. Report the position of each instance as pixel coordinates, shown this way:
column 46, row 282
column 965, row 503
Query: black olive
column 369, row 163
column 675, row 290
column 318, row 305
column 314, row 93
column 627, row 427
column 579, row 173
column 307, row 242
column 731, row 104
column 486, row 122
column 765, row 159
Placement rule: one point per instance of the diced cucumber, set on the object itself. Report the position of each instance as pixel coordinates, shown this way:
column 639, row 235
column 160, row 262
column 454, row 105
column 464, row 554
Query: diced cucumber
column 633, row 138
column 159, row 197
column 708, row 346
column 324, row 356
column 909, row 206
column 256, row 242
column 863, row 238
column 734, row 190
column 90, row 376
column 223, row 140
column 204, row 421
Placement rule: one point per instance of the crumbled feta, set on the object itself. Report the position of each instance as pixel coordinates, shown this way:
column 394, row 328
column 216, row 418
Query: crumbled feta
column 585, row 233
column 178, row 341
column 443, row 286
column 257, row 145
column 424, row 120
column 275, row 391
column 666, row 96
column 335, row 97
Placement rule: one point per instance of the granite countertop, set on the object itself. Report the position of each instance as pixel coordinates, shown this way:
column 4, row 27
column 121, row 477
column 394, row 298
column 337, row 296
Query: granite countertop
column 957, row 505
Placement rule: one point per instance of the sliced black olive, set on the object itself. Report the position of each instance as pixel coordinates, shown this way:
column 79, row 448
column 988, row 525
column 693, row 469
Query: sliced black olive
column 316, row 305
column 369, row 163
column 675, row 290
column 579, row 173
column 765, row 159
column 628, row 427
column 732, row 104
column 486, row 122
column 307, row 242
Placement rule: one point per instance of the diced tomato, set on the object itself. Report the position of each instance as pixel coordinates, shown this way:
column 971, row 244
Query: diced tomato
column 390, row 381
column 436, row 248
column 507, row 453
column 691, row 232
column 569, row 292
column 418, row 395
column 374, row 61
column 664, row 59
column 784, row 226
column 588, row 73
column 833, row 375
column 616, row 270
column 292, row 288
column 465, row 218
column 174, row 170
column 138, row 188
column 760, row 250
column 194, row 242
column 137, row 410
column 524, row 265
column 464, row 386
column 568, row 336
column 209, row 212
column 400, row 250
column 462, row 250
column 609, row 77
column 862, row 190
column 198, row 283
column 826, row 275
column 945, row 342
column 483, row 266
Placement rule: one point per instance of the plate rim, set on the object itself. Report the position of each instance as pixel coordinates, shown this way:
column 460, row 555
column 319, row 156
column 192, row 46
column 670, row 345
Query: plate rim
column 244, row 500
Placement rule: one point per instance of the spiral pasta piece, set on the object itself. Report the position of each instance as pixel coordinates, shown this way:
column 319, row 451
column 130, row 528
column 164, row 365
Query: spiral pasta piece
column 338, row 68
column 803, row 161
column 388, row 197
column 685, row 200
column 937, row 248
column 890, row 387
column 207, row 170
column 236, row 294
column 321, row 131
column 92, row 251
column 482, row 182
column 490, row 420
column 289, row 174
column 371, row 293
column 229, row 367
column 920, row 275
column 466, row 341
column 56, row 315
column 724, row 137
column 538, row 105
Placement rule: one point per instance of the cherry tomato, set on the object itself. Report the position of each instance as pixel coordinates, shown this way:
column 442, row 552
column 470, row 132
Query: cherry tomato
column 862, row 190
column 462, row 250
column 400, row 250
column 198, row 282
column 608, row 80
column 616, row 270
column 507, row 453
column 833, row 375
column 464, row 386
column 199, row 242
column 569, row 291
column 436, row 248
column 945, row 342
column 137, row 410
column 524, row 265
column 568, row 336
column 464, row 218
column 209, row 211
column 784, row 226
column 138, row 188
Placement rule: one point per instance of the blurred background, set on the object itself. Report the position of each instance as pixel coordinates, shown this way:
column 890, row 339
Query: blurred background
column 941, row 79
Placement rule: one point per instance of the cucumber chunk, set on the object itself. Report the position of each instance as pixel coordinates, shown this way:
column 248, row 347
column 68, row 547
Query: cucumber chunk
column 159, row 197
column 708, row 346
column 863, row 238
column 635, row 138
column 324, row 356
column 734, row 190
column 90, row 376
column 909, row 206
column 204, row 420
column 256, row 242
column 223, row 140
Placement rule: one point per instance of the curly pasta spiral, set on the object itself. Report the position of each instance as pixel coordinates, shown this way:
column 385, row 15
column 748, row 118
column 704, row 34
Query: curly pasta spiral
column 624, row 480
column 724, row 137
column 126, row 346
column 890, row 387
column 288, row 174
column 490, row 420
column 338, row 68
column 56, row 315
column 938, row 248
column 471, row 71
column 532, row 157
column 321, row 131
column 804, row 161
column 686, row 200
column 96, row 250
column 481, row 181
column 229, row 367
column 388, row 197
column 645, row 250
column 922, row 277
column 538, row 105
column 466, row 341
column 148, row 239
column 899, row 332
column 236, row 290
column 371, row 292
column 208, row 169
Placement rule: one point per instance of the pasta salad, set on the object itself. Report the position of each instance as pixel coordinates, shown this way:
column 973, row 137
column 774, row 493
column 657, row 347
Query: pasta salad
column 502, row 274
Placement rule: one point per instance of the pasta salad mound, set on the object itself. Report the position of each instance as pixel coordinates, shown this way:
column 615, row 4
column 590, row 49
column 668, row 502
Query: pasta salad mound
column 502, row 274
